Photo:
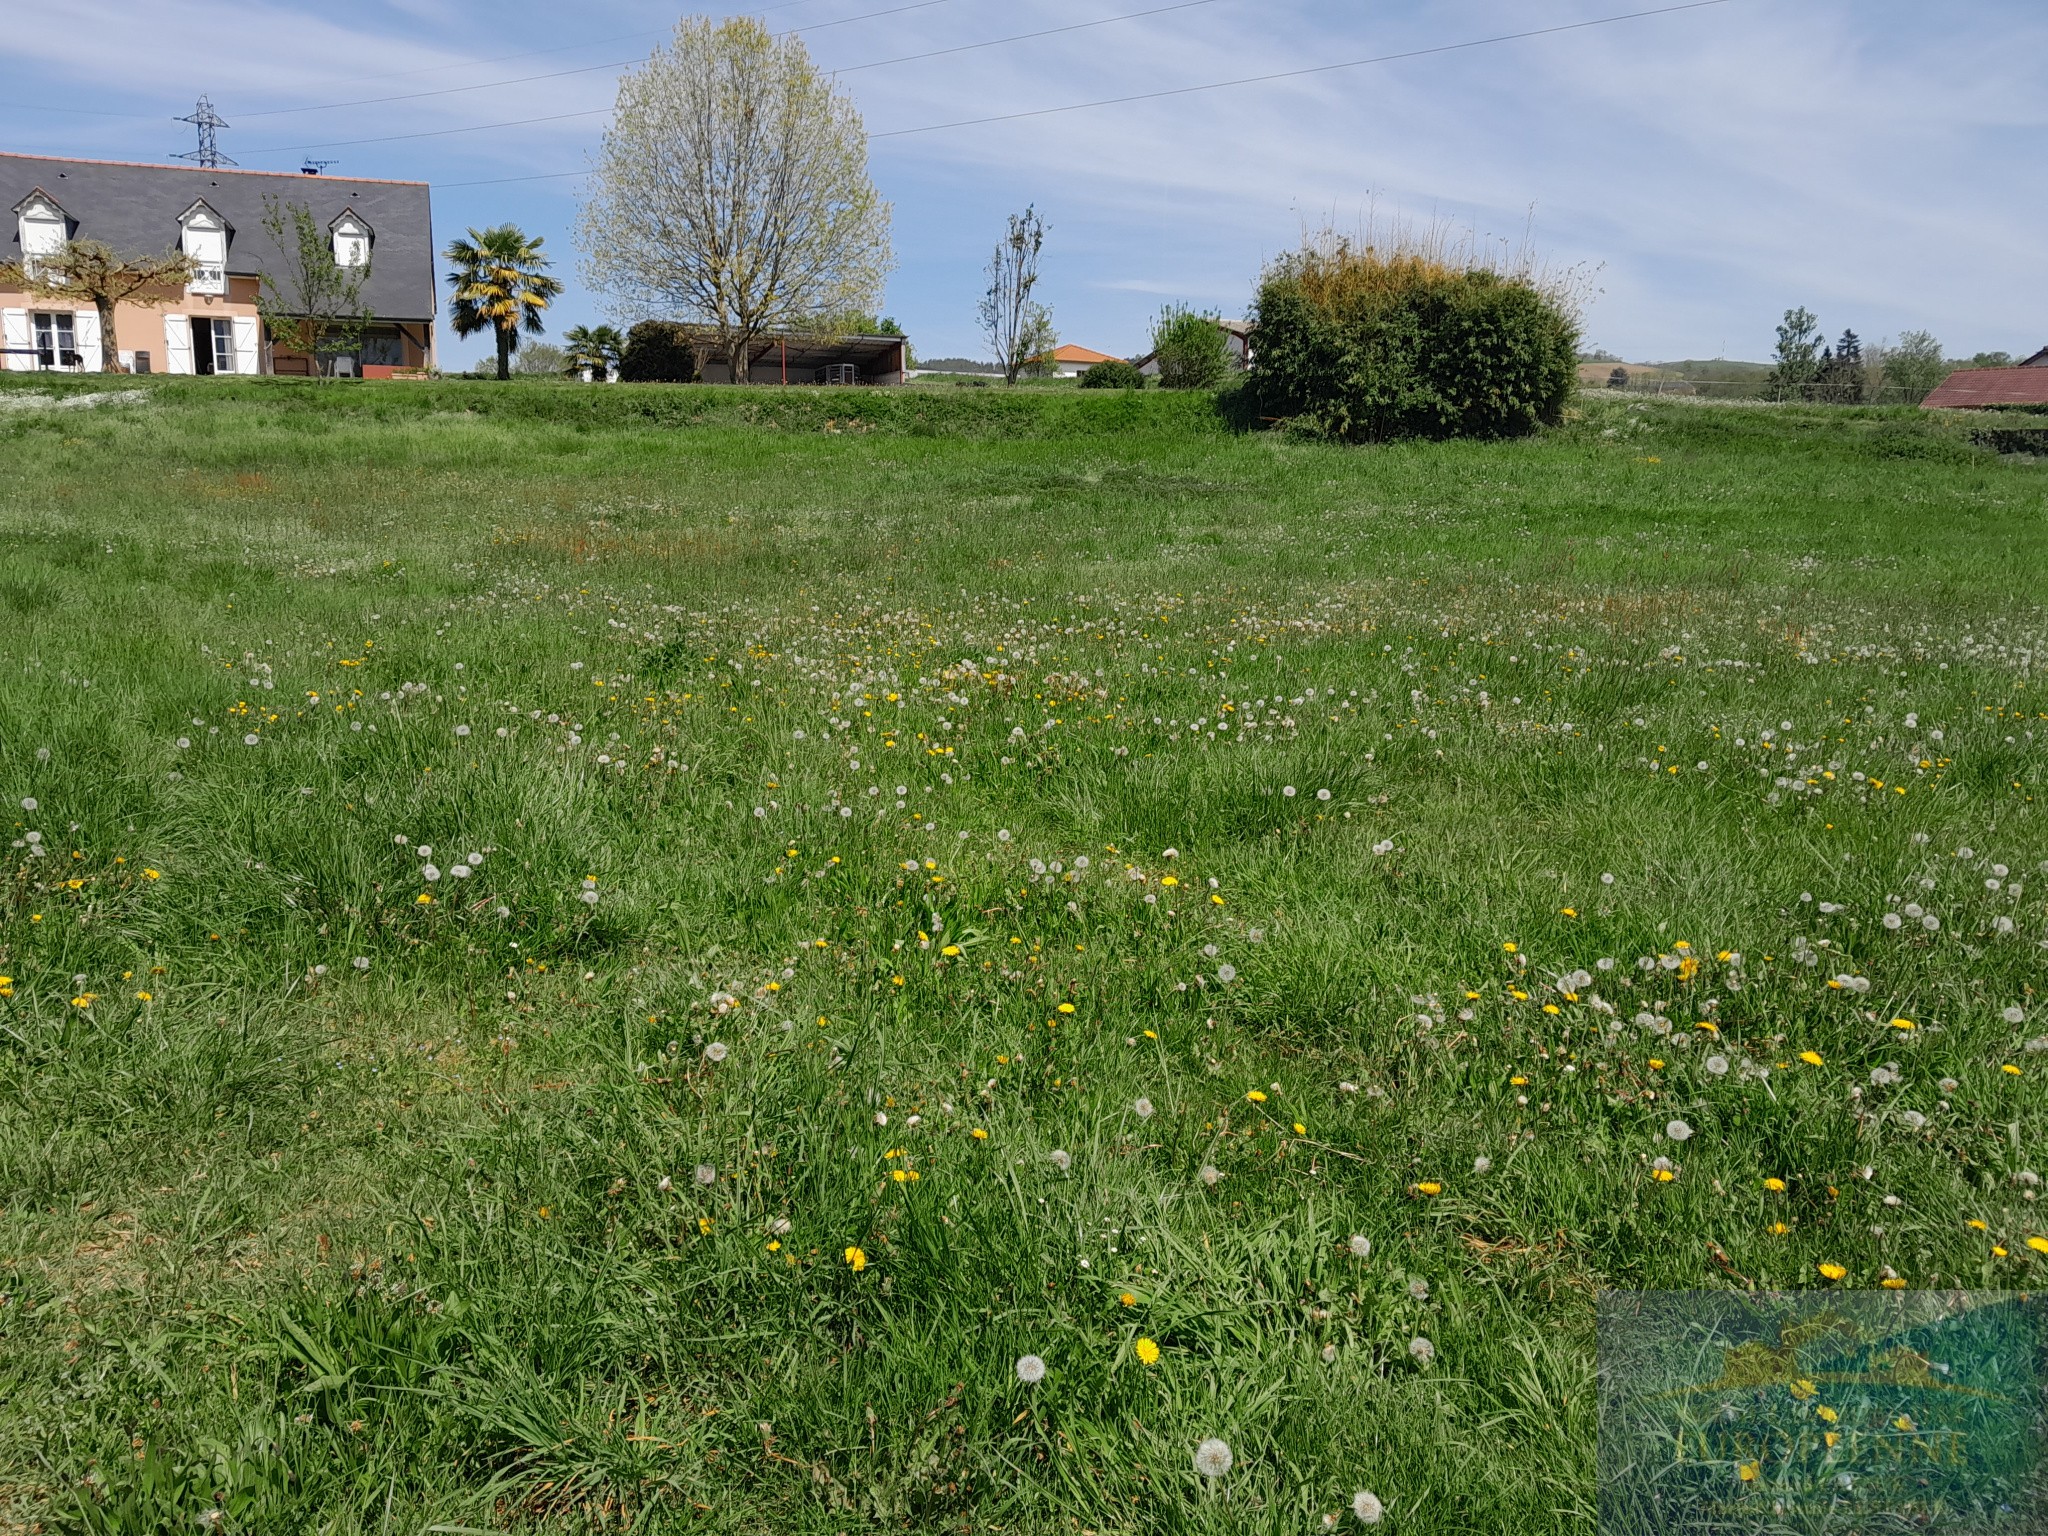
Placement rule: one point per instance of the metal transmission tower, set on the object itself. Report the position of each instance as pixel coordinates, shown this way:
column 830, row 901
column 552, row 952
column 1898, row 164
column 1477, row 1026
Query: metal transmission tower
column 206, row 120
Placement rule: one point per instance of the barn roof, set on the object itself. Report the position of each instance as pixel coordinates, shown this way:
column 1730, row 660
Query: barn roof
column 1975, row 388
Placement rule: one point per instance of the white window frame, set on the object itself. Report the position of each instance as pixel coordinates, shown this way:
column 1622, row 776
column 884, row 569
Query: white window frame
column 60, row 326
column 201, row 221
column 351, row 240
column 42, row 228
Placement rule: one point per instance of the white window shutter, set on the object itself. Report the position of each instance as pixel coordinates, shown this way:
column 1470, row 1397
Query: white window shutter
column 85, row 325
column 14, row 336
column 177, row 343
column 246, row 359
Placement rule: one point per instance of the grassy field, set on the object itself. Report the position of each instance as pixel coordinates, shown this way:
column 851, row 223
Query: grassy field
column 619, row 959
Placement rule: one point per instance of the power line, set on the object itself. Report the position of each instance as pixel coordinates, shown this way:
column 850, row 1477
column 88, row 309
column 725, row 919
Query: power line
column 1295, row 74
column 1020, row 37
column 1214, row 85
column 371, row 101
column 560, row 74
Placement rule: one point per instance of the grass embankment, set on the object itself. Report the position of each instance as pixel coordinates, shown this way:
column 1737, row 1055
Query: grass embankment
column 587, row 956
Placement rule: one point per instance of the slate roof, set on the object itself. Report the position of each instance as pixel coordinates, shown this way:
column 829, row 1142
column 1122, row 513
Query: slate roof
column 1971, row 388
column 135, row 208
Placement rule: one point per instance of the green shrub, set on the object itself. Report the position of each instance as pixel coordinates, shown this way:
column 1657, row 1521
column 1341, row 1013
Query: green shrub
column 1360, row 346
column 658, row 352
column 1114, row 373
column 1189, row 348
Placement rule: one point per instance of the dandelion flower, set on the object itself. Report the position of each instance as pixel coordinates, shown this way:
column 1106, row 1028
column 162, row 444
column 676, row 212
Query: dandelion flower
column 1718, row 1065
column 1832, row 1271
column 1812, row 1058
column 1255, row 1097
column 1146, row 1351
column 1367, row 1507
column 2038, row 1244
column 1418, row 1290
column 1482, row 1164
column 1420, row 1350
column 856, row 1259
column 716, row 1051
column 1213, row 1458
column 1678, row 1130
column 1775, row 1186
column 1142, row 1108
column 1060, row 1160
column 1030, row 1370
column 1361, row 1246
column 705, row 1174
column 1209, row 1174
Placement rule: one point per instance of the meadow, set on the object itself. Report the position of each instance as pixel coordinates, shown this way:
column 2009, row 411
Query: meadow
column 666, row 959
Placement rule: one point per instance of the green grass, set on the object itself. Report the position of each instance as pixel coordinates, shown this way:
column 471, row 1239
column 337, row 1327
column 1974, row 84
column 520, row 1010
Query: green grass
column 358, row 1221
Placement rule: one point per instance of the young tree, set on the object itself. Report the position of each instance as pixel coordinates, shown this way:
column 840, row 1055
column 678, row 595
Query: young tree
column 499, row 282
column 596, row 347
column 1798, row 356
column 1189, row 348
column 309, row 301
column 92, row 269
column 1618, row 378
column 732, row 191
column 1914, row 366
column 1018, row 327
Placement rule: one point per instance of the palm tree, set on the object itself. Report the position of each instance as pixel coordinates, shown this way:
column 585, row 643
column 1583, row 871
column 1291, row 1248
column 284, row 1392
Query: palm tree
column 596, row 347
column 499, row 282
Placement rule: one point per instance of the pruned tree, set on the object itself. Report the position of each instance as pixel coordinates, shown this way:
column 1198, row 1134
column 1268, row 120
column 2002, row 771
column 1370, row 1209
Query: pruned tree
column 1798, row 355
column 1017, row 326
column 95, row 271
column 732, row 191
column 310, row 302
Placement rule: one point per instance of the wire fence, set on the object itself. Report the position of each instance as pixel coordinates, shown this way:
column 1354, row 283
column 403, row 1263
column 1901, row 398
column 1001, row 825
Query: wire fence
column 1762, row 389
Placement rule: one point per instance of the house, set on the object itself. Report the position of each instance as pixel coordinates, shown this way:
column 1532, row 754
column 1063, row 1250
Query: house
column 215, row 216
column 1977, row 388
column 1237, row 341
column 1070, row 361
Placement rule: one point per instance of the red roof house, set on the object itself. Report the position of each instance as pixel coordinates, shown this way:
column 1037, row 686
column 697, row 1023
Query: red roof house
column 1975, row 388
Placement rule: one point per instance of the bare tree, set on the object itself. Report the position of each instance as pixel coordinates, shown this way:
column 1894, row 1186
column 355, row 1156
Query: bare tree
column 732, row 191
column 1018, row 328
column 310, row 302
column 92, row 269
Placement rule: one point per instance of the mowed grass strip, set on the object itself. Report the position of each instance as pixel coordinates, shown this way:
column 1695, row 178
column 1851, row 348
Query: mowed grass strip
column 616, row 958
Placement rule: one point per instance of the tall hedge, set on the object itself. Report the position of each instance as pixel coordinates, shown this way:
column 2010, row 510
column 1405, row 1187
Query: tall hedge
column 658, row 352
column 1358, row 347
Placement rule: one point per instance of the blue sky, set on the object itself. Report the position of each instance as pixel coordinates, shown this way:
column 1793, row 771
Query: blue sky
column 1876, row 160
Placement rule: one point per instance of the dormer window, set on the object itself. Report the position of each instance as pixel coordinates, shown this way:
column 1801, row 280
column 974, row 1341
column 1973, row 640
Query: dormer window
column 351, row 240
column 205, row 242
column 42, row 226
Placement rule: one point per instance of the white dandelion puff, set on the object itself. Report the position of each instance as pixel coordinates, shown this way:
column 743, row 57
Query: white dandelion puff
column 1142, row 1108
column 705, row 1174
column 1209, row 1174
column 1213, row 1458
column 1678, row 1130
column 1030, row 1370
column 1361, row 1246
column 716, row 1051
column 1060, row 1159
column 1367, row 1507
column 1420, row 1350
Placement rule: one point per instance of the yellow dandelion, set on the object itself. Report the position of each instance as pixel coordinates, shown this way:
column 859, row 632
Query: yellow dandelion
column 1300, row 1129
column 2010, row 1069
column 1812, row 1058
column 1146, row 1351
column 145, row 997
column 1256, row 1097
column 1128, row 1299
column 1429, row 1187
column 2038, row 1244
column 1826, row 1414
column 423, row 900
column 1832, row 1271
column 1662, row 1175
column 978, row 1134
column 1775, row 1186
column 152, row 874
column 703, row 1226
column 1065, row 1008
column 1904, row 1024
column 856, row 1259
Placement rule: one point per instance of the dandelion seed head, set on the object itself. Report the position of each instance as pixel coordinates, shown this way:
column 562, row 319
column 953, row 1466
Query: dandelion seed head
column 1030, row 1370
column 1420, row 1350
column 1367, row 1507
column 1361, row 1246
column 1213, row 1458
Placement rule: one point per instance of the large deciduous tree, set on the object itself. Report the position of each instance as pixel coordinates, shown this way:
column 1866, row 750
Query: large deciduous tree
column 1018, row 327
column 95, row 271
column 732, row 192
column 1797, row 360
column 498, row 282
